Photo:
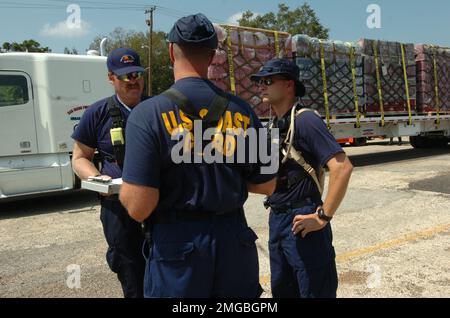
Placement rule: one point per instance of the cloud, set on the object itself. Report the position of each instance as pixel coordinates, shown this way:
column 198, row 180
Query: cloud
column 235, row 17
column 63, row 29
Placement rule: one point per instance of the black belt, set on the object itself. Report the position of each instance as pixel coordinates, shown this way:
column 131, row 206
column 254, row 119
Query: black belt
column 283, row 208
column 166, row 217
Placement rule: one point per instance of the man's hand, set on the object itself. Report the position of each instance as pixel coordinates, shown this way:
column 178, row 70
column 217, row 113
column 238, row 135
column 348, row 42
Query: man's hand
column 105, row 177
column 305, row 224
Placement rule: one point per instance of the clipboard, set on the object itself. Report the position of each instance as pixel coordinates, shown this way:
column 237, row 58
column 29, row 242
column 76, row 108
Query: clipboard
column 110, row 187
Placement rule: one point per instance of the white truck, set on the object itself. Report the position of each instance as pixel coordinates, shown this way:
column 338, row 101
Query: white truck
column 42, row 98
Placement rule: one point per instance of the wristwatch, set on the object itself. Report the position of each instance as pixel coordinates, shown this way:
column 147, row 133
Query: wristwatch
column 323, row 216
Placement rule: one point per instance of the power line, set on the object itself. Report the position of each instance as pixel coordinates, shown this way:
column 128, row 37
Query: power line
column 62, row 4
column 140, row 5
column 59, row 8
column 91, row 5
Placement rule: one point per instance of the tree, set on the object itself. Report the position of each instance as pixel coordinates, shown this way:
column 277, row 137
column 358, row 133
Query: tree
column 74, row 51
column 302, row 20
column 26, row 46
column 6, row 46
column 162, row 74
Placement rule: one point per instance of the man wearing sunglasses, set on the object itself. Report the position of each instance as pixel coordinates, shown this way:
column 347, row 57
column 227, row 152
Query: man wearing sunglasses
column 302, row 257
column 102, row 126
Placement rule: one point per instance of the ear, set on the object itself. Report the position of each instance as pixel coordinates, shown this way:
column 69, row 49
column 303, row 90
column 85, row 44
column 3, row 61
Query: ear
column 291, row 85
column 171, row 54
column 111, row 77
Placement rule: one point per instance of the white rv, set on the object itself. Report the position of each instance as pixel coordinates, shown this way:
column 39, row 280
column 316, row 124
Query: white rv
column 42, row 97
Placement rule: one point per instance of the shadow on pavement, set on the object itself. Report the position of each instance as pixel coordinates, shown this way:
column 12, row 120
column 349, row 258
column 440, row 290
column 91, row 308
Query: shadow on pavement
column 395, row 156
column 72, row 202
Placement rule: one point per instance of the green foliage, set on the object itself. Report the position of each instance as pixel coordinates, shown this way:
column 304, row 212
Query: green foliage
column 26, row 46
column 11, row 95
column 162, row 74
column 302, row 20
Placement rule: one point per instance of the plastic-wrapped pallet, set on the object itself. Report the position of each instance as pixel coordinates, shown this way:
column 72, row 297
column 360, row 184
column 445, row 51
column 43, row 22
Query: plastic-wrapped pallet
column 341, row 71
column 387, row 57
column 247, row 49
column 433, row 75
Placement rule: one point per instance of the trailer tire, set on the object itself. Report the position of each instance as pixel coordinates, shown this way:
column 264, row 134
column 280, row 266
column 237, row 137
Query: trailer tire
column 440, row 142
column 417, row 142
column 428, row 142
column 362, row 141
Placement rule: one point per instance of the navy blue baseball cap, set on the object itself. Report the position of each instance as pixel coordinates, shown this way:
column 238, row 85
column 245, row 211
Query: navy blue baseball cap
column 122, row 61
column 195, row 30
column 284, row 67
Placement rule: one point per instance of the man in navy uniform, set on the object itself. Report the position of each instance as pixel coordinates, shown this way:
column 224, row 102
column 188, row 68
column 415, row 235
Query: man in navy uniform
column 302, row 257
column 199, row 243
column 101, row 120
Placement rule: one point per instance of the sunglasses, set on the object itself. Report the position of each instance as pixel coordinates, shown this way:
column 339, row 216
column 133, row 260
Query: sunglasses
column 129, row 76
column 267, row 81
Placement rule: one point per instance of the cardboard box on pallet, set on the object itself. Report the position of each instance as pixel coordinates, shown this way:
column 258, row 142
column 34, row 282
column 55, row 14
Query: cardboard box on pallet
column 247, row 49
column 427, row 83
column 339, row 60
column 391, row 65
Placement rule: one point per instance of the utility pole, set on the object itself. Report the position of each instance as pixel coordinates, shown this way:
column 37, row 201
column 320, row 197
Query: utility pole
column 149, row 22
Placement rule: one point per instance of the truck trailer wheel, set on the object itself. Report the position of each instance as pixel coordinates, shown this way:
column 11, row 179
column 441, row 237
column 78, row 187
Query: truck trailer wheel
column 362, row 141
column 428, row 142
column 416, row 141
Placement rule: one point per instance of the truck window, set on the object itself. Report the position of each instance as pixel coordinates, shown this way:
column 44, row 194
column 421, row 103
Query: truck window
column 13, row 90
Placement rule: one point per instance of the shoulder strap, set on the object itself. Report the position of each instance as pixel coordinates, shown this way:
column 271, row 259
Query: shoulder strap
column 291, row 153
column 115, row 113
column 215, row 110
column 182, row 101
column 117, row 122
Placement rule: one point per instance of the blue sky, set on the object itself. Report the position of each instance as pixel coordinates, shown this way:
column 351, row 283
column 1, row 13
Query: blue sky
column 45, row 20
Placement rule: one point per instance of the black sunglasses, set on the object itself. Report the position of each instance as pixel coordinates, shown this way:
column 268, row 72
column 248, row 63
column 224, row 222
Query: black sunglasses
column 268, row 81
column 129, row 76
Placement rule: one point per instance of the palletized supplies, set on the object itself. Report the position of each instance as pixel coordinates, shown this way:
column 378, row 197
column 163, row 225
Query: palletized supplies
column 389, row 77
column 433, row 79
column 241, row 53
column 332, row 74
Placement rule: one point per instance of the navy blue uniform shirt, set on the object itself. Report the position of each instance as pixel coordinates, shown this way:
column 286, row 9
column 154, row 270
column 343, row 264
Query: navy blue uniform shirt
column 93, row 131
column 317, row 146
column 187, row 186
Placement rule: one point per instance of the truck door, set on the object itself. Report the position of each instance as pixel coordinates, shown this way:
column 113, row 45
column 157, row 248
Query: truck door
column 17, row 124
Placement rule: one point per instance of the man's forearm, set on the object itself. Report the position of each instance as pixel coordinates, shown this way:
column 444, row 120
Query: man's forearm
column 84, row 168
column 139, row 201
column 337, row 187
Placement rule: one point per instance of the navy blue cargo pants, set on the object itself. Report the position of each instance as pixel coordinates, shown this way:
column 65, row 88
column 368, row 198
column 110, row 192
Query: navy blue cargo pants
column 125, row 238
column 212, row 257
column 301, row 267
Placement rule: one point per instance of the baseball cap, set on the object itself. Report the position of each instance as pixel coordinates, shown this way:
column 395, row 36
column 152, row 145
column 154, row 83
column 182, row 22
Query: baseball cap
column 284, row 67
column 195, row 30
column 122, row 61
